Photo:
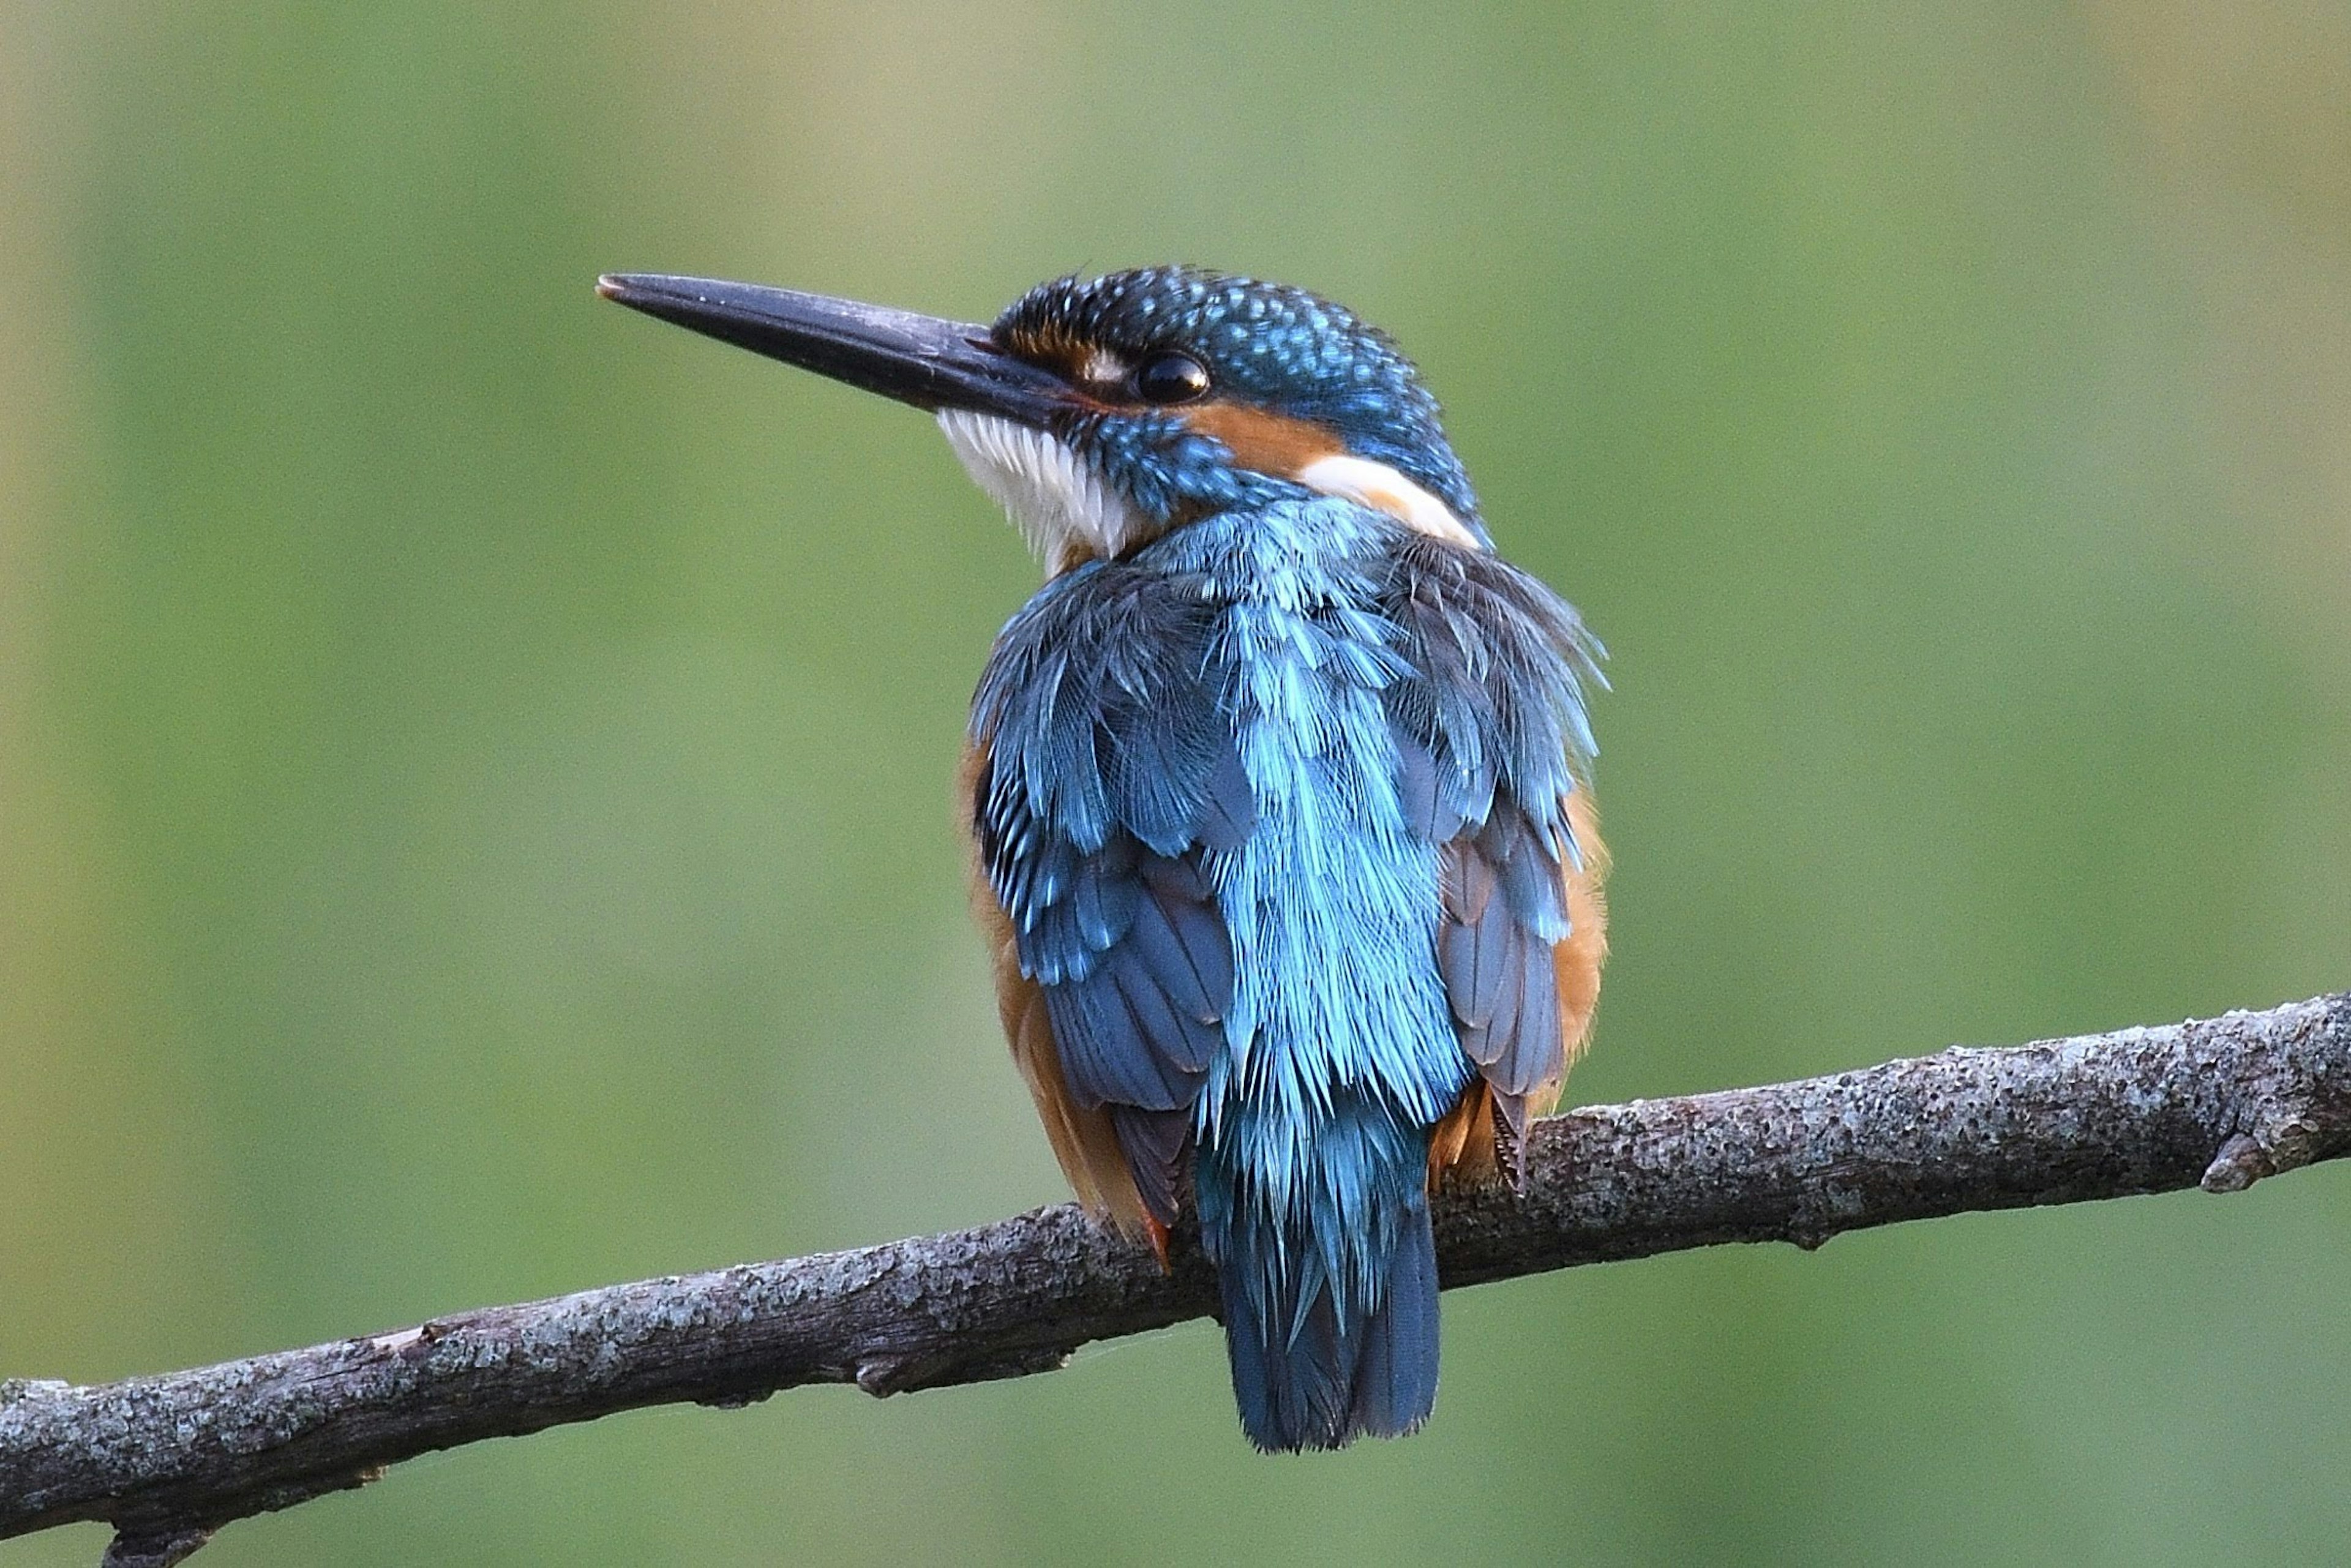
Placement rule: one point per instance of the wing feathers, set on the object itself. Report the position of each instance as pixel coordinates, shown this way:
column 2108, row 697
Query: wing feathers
column 1106, row 784
column 1492, row 759
column 1106, row 774
column 1476, row 943
column 1084, row 1141
column 1158, row 1145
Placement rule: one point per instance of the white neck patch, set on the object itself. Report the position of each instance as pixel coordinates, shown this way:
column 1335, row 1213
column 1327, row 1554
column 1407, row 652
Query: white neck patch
column 1061, row 503
column 1381, row 487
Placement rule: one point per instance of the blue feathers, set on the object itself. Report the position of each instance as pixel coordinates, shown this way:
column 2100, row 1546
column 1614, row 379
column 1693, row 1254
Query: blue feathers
column 1330, row 1304
column 1271, row 346
column 1277, row 789
column 1275, row 807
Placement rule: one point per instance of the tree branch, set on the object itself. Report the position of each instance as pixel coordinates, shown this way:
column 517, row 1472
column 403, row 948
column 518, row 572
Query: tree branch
column 168, row 1460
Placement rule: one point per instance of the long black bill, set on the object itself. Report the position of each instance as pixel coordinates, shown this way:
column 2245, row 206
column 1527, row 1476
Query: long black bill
column 921, row 359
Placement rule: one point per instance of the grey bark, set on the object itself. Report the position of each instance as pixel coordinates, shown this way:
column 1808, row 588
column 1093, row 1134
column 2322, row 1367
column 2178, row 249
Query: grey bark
column 168, row 1460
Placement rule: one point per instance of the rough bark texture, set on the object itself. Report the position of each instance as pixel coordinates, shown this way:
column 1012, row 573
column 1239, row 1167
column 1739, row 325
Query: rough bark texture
column 167, row 1459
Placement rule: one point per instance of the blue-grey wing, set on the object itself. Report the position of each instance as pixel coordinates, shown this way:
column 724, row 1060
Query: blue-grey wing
column 1109, row 784
column 1493, row 754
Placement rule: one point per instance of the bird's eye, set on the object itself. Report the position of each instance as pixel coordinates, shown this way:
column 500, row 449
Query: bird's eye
column 1170, row 378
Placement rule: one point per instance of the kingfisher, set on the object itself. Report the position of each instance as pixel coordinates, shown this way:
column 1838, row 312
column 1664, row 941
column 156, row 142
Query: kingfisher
column 1278, row 791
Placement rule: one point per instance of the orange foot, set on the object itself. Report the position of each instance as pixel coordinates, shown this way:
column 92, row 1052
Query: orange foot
column 1159, row 1234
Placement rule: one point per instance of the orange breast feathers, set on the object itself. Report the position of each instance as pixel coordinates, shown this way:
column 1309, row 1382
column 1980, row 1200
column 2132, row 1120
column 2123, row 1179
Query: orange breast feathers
column 1083, row 1140
column 1471, row 1142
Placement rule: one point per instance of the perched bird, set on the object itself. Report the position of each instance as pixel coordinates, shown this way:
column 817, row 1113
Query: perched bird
column 1280, row 789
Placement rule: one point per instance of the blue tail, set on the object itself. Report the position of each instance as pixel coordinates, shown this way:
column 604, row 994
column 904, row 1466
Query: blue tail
column 1330, row 1305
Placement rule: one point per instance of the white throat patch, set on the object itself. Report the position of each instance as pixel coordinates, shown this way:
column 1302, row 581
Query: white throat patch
column 1060, row 502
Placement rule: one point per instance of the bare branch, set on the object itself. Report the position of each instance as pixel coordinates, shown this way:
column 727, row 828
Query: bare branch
column 168, row 1460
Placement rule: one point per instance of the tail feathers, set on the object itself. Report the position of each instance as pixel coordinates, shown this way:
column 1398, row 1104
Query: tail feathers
column 1317, row 1373
column 1395, row 1385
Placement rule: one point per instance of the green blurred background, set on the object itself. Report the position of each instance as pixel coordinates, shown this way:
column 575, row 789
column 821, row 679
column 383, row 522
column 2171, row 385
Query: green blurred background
column 475, row 804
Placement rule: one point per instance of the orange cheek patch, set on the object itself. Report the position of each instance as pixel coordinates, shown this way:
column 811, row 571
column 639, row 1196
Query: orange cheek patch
column 1309, row 453
column 1268, row 443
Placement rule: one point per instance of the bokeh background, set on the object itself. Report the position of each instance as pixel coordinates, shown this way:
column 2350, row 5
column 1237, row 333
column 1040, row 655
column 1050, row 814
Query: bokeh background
column 474, row 806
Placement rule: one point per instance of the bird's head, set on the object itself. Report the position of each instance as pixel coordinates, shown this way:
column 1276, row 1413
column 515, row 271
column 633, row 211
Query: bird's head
column 1103, row 412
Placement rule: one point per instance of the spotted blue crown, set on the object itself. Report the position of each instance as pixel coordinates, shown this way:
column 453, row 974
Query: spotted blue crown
column 1279, row 348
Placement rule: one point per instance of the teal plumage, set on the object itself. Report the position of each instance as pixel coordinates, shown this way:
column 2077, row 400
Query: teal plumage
column 1278, row 790
column 1295, row 1042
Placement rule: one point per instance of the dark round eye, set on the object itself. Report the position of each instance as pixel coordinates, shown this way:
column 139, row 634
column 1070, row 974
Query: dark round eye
column 1170, row 378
